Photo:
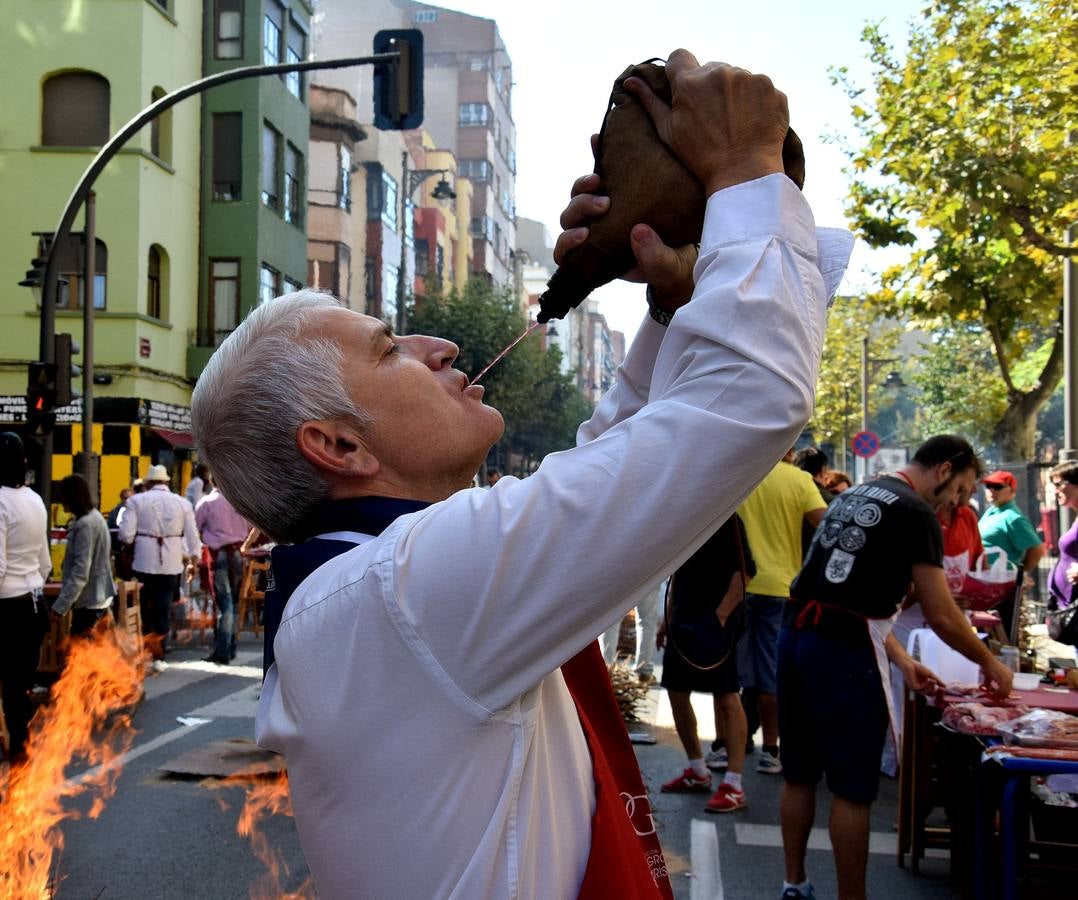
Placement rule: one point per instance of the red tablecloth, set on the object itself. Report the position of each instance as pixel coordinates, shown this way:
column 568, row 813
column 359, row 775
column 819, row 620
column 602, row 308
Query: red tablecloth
column 985, row 621
column 1063, row 701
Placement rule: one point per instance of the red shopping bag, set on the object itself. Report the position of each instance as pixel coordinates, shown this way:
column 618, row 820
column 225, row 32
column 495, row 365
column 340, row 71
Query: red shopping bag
column 985, row 588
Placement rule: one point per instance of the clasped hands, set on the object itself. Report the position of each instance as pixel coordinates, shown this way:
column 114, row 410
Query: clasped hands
column 725, row 124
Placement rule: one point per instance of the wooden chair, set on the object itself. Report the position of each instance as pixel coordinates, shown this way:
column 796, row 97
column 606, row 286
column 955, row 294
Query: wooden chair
column 127, row 611
column 251, row 595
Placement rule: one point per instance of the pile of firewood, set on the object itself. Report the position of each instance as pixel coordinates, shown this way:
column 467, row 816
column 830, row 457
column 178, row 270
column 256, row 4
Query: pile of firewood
column 629, row 691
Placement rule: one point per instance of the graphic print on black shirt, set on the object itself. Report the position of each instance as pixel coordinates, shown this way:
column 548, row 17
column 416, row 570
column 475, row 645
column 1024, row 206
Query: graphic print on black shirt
column 863, row 553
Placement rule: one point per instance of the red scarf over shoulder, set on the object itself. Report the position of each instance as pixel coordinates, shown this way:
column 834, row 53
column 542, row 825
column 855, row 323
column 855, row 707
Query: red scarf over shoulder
column 626, row 860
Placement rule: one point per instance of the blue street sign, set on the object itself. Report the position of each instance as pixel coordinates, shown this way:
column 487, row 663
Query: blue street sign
column 865, row 444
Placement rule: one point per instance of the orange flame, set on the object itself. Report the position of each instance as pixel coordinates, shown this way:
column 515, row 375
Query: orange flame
column 266, row 796
column 85, row 720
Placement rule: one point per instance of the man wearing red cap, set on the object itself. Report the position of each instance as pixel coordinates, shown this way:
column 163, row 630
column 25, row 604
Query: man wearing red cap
column 1003, row 524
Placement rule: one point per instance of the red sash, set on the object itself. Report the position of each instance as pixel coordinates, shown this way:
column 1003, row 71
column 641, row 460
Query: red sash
column 626, row 860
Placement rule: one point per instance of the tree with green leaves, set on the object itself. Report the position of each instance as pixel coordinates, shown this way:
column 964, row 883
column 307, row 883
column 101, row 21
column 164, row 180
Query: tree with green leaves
column 966, row 159
column 541, row 405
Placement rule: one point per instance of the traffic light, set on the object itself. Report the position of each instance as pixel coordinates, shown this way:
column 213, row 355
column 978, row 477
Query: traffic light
column 398, row 88
column 41, row 399
column 64, row 349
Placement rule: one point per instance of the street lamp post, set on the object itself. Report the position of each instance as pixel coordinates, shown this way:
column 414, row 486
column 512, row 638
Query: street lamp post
column 443, row 193
column 869, row 367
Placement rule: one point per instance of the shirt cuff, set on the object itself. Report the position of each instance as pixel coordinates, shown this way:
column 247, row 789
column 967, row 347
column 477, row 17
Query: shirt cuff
column 766, row 206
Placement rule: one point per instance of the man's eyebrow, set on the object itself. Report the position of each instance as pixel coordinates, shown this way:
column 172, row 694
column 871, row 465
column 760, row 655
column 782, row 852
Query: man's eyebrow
column 377, row 334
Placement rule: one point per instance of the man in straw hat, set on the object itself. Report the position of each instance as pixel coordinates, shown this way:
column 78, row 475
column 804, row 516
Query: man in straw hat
column 162, row 526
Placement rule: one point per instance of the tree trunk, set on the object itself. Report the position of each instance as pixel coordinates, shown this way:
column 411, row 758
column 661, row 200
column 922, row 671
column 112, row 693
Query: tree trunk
column 1015, row 434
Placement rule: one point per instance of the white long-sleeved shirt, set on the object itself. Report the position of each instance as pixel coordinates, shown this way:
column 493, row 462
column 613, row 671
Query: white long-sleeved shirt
column 25, row 561
column 432, row 746
column 159, row 513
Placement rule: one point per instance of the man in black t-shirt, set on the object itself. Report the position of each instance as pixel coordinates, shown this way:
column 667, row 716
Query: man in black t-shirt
column 876, row 542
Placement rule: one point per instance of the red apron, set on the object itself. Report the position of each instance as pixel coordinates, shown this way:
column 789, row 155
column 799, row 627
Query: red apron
column 626, row 859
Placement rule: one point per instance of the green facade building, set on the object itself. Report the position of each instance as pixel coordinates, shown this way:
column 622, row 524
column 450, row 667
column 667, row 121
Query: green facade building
column 195, row 223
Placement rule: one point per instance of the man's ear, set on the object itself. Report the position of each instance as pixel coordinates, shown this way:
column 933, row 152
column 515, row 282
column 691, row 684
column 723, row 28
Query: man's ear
column 336, row 448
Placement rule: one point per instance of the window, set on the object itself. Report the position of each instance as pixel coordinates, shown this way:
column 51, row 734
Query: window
column 513, row 161
column 439, row 261
column 478, row 170
column 409, row 222
column 228, row 40
column 483, row 227
column 75, row 110
column 389, row 200
column 422, row 258
column 227, row 156
column 389, row 293
column 161, row 129
column 156, row 280
column 269, row 283
column 224, row 298
column 344, row 188
column 72, row 263
column 291, row 286
column 427, row 16
column 272, row 29
column 479, row 63
column 474, row 114
column 295, row 51
column 293, row 176
column 270, row 167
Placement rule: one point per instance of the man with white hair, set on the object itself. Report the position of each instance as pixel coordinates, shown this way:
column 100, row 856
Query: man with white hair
column 162, row 526
column 437, row 694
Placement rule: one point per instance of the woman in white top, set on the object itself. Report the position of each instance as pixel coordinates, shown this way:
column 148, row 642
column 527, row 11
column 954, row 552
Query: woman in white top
column 24, row 565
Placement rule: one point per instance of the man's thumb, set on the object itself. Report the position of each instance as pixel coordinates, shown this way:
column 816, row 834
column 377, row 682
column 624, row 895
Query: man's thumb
column 652, row 255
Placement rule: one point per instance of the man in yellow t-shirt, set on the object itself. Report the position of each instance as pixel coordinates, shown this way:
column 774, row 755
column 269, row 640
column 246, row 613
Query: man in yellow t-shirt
column 773, row 515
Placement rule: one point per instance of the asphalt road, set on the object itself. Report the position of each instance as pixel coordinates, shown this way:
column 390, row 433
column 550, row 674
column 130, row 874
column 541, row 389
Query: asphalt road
column 163, row 836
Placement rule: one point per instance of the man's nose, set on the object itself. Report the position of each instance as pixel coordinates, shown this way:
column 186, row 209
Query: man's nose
column 438, row 352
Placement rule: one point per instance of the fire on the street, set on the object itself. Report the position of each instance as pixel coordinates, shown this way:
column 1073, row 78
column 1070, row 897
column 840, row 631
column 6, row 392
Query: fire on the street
column 86, row 720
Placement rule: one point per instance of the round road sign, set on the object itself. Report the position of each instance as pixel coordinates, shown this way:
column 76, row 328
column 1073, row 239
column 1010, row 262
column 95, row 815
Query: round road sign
column 865, row 444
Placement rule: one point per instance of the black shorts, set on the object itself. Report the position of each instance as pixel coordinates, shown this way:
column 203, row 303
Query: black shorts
column 679, row 675
column 833, row 716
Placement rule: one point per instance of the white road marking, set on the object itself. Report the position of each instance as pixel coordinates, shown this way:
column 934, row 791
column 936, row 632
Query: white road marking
column 235, row 705
column 879, row 842
column 706, row 881
column 134, row 753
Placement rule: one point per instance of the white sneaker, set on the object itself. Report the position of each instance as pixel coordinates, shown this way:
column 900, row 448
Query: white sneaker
column 768, row 763
column 717, row 760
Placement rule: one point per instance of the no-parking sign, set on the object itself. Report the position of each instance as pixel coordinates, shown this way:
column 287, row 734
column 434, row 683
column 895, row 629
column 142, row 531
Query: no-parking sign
column 865, row 444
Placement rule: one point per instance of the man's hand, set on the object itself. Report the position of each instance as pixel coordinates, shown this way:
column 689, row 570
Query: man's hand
column 725, row 124
column 667, row 269
column 660, row 634
column 920, row 678
column 998, row 679
column 1072, row 573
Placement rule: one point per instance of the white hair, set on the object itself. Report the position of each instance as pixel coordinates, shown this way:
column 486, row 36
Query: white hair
column 271, row 375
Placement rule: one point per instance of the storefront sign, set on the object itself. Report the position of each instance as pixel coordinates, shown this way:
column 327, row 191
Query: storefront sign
column 165, row 415
column 13, row 409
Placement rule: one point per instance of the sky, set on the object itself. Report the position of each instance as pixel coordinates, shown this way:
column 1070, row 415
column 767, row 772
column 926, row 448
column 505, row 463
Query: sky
column 566, row 56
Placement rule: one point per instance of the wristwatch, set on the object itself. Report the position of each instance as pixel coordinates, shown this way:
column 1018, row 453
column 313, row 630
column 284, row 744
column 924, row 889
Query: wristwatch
column 660, row 315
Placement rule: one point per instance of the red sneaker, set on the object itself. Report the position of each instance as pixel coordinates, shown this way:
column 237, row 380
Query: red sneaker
column 726, row 799
column 688, row 782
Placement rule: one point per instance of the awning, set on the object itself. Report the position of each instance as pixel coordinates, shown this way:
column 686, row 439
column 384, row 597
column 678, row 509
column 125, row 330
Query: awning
column 175, row 438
